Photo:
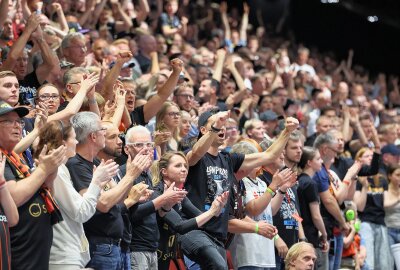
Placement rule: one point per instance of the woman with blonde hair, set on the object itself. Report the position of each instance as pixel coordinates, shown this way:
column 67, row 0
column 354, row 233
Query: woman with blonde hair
column 168, row 120
column 171, row 170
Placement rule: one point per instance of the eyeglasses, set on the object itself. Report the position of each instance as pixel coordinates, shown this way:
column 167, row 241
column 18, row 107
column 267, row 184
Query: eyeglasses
column 174, row 114
column 190, row 97
column 48, row 97
column 140, row 145
column 11, row 123
column 231, row 128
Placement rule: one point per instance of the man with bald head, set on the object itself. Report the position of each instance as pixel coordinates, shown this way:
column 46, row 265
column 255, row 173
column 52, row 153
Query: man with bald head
column 147, row 45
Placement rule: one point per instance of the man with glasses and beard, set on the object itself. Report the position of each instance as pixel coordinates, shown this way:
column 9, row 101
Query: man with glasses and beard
column 105, row 229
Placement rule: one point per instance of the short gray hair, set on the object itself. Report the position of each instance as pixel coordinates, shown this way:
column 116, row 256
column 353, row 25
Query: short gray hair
column 244, row 147
column 66, row 42
column 73, row 71
column 134, row 130
column 325, row 138
column 85, row 123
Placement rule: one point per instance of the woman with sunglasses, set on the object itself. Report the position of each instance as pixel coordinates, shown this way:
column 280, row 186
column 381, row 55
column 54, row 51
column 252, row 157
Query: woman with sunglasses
column 70, row 248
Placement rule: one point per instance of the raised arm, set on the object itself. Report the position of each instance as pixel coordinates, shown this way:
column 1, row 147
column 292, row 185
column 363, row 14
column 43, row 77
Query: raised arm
column 360, row 197
column 126, row 22
column 201, row 147
column 273, row 152
column 225, row 21
column 3, row 12
column 245, row 23
column 76, row 102
column 219, row 65
column 61, row 17
column 112, row 76
column 18, row 47
column 51, row 63
column 151, row 108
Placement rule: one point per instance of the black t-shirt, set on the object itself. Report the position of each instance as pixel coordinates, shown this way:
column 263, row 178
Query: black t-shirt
column 32, row 237
column 374, row 211
column 208, row 178
column 144, row 62
column 137, row 116
column 5, row 261
column 172, row 223
column 309, row 194
column 287, row 226
column 101, row 224
column 28, row 88
column 236, row 206
column 145, row 234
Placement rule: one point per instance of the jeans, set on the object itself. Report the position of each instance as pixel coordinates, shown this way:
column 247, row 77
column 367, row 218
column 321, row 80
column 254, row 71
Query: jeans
column 394, row 236
column 322, row 262
column 336, row 257
column 376, row 241
column 142, row 260
column 105, row 256
column 126, row 260
column 279, row 262
column 191, row 265
column 199, row 247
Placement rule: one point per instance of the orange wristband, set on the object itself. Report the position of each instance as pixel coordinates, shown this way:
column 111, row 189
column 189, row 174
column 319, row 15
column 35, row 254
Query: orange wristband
column 346, row 182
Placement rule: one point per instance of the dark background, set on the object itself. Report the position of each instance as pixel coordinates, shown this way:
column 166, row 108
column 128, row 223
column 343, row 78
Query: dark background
column 340, row 27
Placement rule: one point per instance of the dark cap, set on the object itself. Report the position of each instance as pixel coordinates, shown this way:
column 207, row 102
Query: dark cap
column 268, row 116
column 203, row 118
column 6, row 108
column 391, row 149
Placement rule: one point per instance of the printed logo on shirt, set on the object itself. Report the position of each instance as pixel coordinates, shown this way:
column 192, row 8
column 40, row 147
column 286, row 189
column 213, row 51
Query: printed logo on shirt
column 35, row 209
column 217, row 182
column 287, row 210
column 3, row 218
column 27, row 95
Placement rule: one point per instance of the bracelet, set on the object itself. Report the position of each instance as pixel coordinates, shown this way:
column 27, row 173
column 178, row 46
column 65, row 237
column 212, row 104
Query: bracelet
column 276, row 237
column 214, row 129
column 270, row 191
column 346, row 182
column 303, row 239
column 256, row 230
column 164, row 210
column 281, row 192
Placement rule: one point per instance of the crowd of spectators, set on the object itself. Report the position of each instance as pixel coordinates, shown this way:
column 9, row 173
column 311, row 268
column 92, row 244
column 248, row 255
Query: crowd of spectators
column 151, row 134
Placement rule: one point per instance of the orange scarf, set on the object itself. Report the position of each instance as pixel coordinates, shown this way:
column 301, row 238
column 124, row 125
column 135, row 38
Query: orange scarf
column 17, row 161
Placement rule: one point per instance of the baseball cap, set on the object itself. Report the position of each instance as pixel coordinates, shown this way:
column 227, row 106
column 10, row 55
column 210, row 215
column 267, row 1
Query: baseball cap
column 203, row 118
column 6, row 108
column 268, row 115
column 391, row 149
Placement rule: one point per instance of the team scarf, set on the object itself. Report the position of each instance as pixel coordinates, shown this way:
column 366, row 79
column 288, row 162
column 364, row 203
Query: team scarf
column 17, row 161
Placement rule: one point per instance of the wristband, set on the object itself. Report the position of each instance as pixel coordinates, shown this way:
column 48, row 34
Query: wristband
column 164, row 210
column 256, row 230
column 270, row 191
column 276, row 237
column 346, row 182
column 303, row 240
column 214, row 129
column 281, row 192
column 92, row 101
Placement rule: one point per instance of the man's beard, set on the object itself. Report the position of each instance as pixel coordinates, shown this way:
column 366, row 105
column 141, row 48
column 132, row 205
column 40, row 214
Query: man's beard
column 110, row 152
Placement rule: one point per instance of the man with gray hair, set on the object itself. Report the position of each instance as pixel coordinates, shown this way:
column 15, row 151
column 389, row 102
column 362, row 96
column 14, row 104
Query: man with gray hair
column 333, row 192
column 74, row 49
column 105, row 229
column 143, row 216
